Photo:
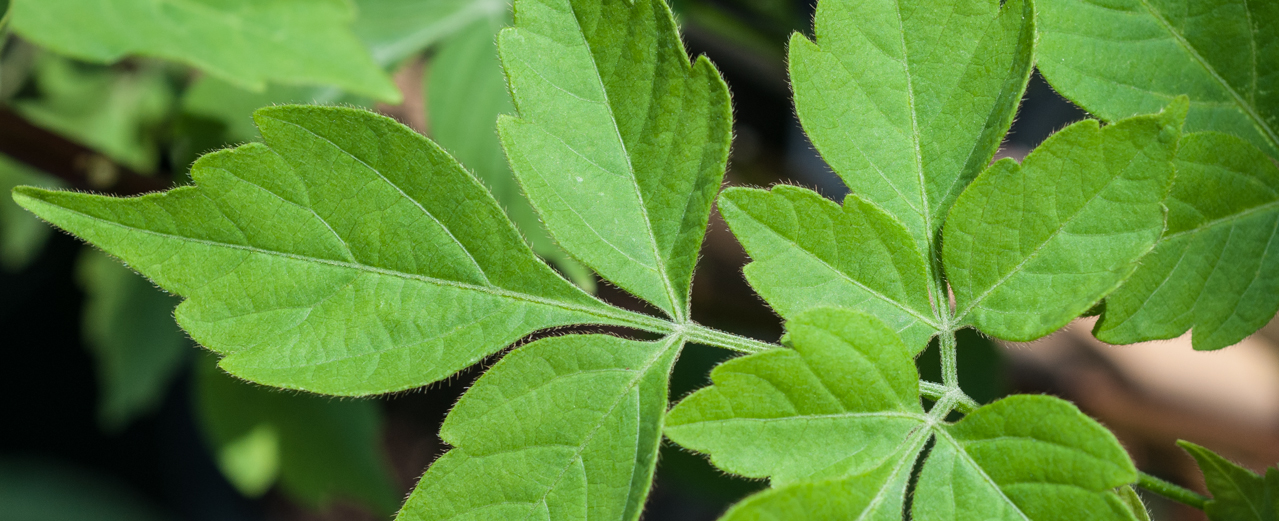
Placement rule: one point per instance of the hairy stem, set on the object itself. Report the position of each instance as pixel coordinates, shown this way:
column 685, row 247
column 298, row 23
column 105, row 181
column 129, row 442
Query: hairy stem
column 700, row 334
column 1171, row 491
column 935, row 392
column 949, row 362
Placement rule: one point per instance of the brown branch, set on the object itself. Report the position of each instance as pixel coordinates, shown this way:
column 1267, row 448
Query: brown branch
column 77, row 165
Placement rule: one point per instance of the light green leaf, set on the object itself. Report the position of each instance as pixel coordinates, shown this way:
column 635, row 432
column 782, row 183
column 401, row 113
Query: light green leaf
column 620, row 144
column 128, row 325
column 329, row 259
column 1216, row 269
column 396, row 29
column 22, row 235
column 839, row 403
column 1134, row 502
column 118, row 113
column 1223, row 54
column 1024, row 458
column 233, row 106
column 322, row 448
column 247, row 42
column 878, row 495
column 810, row 252
column 1030, row 247
column 465, row 96
column 564, row 428
column 1237, row 493
column 909, row 99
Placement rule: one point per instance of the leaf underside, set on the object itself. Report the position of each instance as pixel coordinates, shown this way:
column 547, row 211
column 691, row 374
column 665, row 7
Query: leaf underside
column 258, row 41
column 1223, row 54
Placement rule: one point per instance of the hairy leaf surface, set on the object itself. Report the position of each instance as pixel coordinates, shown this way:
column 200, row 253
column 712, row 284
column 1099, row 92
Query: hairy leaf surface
column 323, row 449
column 564, row 428
column 1030, row 247
column 620, row 144
column 836, row 424
column 1223, row 54
column 248, row 42
column 908, row 100
column 128, row 326
column 1238, row 494
column 465, row 95
column 810, row 252
column 1216, row 269
column 836, row 404
column 329, row 260
column 1024, row 458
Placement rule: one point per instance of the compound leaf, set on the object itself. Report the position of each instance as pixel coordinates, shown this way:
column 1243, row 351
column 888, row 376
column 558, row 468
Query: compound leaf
column 1024, row 458
column 320, row 449
column 1223, row 54
column 564, row 428
column 839, row 403
column 1030, row 247
column 620, row 143
column 1237, row 493
column 329, row 259
column 128, row 325
column 808, row 252
column 248, row 42
column 1216, row 269
column 909, row 100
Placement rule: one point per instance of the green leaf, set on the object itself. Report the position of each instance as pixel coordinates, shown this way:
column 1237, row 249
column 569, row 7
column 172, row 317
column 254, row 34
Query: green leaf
column 22, row 235
column 465, row 96
column 620, row 144
column 396, row 29
column 809, row 252
column 233, row 106
column 1024, row 458
column 1216, row 269
column 322, row 448
column 909, row 100
column 128, row 325
column 839, row 403
column 837, row 426
column 564, row 428
column 1135, row 504
column 1223, row 54
column 247, row 42
column 877, row 495
column 1237, row 493
column 117, row 113
column 330, row 260
column 1030, row 247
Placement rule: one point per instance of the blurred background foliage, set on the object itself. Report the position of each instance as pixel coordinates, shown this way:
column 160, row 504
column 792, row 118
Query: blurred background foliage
column 111, row 412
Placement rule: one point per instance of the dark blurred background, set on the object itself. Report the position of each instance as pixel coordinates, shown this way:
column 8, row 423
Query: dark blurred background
column 162, row 464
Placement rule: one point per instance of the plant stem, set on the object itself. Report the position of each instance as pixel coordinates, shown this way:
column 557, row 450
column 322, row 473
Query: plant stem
column 707, row 336
column 1170, row 491
column 949, row 362
column 935, row 392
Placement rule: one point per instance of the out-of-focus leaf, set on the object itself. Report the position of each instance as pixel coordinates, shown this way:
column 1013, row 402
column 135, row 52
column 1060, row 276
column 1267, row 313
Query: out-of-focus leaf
column 233, row 106
column 114, row 111
column 322, row 448
column 21, row 234
column 128, row 325
column 395, row 29
column 466, row 93
column 248, row 42
column 41, row 490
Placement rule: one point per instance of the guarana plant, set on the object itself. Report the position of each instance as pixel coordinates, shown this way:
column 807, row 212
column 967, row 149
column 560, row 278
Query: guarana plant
column 347, row 255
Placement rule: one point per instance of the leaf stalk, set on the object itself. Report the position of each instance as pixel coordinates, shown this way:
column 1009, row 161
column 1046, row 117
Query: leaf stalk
column 1171, row 491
